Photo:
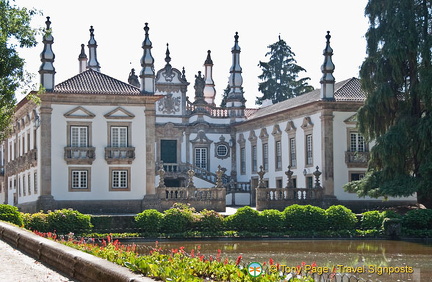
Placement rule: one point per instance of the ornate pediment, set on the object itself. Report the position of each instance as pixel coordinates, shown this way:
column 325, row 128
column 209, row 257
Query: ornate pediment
column 290, row 127
column 201, row 138
column 263, row 134
column 307, row 123
column 352, row 119
column 168, row 131
column 79, row 112
column 276, row 131
column 119, row 113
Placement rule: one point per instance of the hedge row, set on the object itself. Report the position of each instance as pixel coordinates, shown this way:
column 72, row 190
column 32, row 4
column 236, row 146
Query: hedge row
column 181, row 218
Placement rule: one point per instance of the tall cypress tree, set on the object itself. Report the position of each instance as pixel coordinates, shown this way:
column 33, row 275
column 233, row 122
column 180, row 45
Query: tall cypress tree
column 280, row 75
column 397, row 115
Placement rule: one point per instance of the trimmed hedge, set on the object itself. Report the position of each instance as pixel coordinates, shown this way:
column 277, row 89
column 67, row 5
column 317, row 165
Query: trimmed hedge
column 11, row 214
column 149, row 221
column 305, row 217
column 340, row 218
column 245, row 219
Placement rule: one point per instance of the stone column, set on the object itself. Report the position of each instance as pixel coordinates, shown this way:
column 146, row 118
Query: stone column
column 45, row 200
column 150, row 128
column 327, row 152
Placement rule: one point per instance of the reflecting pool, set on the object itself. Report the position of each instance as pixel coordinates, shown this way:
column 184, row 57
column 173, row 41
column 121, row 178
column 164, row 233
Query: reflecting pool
column 372, row 260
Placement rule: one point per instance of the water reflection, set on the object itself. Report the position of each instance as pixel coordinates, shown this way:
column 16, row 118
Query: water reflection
column 371, row 255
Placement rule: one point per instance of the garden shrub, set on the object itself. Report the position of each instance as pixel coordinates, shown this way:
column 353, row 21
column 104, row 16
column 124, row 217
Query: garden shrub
column 210, row 221
column 11, row 214
column 37, row 221
column 418, row 219
column 371, row 220
column 304, row 218
column 271, row 220
column 245, row 219
column 391, row 214
column 68, row 220
column 180, row 218
column 340, row 218
column 149, row 220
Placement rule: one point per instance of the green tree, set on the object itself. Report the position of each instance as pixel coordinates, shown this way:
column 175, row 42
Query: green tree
column 280, row 75
column 15, row 31
column 397, row 114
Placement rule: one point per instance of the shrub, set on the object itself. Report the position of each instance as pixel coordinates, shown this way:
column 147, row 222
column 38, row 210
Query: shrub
column 149, row 220
column 210, row 221
column 245, row 219
column 11, row 214
column 304, row 218
column 340, row 217
column 371, row 220
column 67, row 220
column 391, row 214
column 37, row 221
column 418, row 219
column 271, row 220
column 178, row 219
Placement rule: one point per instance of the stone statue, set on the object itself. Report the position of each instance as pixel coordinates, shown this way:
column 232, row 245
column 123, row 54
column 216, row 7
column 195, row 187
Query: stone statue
column 133, row 79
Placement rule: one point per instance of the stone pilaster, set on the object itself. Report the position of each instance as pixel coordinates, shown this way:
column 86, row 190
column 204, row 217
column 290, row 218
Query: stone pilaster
column 150, row 128
column 45, row 200
column 327, row 152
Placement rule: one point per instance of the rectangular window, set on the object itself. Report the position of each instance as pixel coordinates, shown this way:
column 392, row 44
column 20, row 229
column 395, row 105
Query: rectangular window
column 254, row 158
column 309, row 182
column 278, row 155
column 357, row 143
column 23, row 185
column 201, row 157
column 35, row 183
column 34, row 138
column 293, row 154
column 309, row 153
column 19, row 187
column 243, row 160
column 29, row 183
column 265, row 156
column 119, row 136
column 28, row 140
column 356, row 176
column 79, row 137
column 79, row 179
column 119, row 179
column 278, row 183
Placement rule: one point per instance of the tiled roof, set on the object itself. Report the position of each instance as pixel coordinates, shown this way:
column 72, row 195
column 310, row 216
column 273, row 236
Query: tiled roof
column 94, row 82
column 346, row 90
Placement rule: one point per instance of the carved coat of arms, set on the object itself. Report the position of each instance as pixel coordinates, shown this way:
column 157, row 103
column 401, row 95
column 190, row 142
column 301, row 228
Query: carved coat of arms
column 169, row 104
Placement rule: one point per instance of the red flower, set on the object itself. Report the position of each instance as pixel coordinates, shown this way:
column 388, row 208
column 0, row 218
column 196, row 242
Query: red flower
column 238, row 260
column 271, row 261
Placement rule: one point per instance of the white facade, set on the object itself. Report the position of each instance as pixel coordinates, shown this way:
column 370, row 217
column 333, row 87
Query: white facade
column 95, row 143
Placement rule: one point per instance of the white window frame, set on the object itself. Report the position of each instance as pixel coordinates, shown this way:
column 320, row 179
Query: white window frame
column 201, row 157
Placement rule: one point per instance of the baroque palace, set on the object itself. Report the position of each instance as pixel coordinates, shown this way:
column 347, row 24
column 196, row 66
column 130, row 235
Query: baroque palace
column 100, row 145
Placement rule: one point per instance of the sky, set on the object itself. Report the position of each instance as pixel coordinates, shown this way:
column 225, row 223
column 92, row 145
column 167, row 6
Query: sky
column 191, row 27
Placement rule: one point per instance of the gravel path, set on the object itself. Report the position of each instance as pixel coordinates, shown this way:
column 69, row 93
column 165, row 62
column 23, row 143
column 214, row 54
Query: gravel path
column 17, row 267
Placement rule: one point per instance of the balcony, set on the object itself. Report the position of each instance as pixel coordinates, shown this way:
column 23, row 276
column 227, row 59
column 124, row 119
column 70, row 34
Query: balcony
column 356, row 159
column 119, row 155
column 79, row 155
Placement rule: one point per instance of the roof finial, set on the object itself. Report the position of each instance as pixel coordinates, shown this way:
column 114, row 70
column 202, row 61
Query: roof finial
column 48, row 23
column 47, row 70
column 167, row 53
column 147, row 73
column 236, row 37
column 208, row 61
column 92, row 45
column 327, row 68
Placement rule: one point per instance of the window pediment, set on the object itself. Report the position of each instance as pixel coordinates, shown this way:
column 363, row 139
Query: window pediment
column 307, row 123
column 119, row 113
column 79, row 112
